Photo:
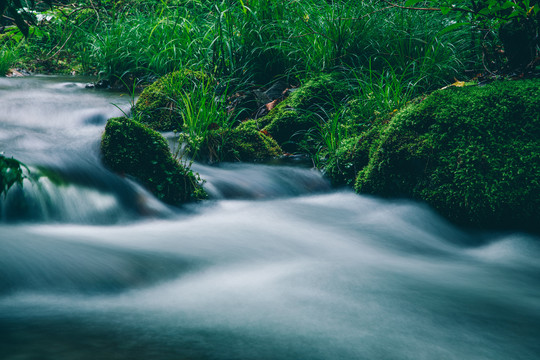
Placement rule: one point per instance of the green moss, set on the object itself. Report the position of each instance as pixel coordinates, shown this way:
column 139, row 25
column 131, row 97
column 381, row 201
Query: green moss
column 158, row 106
column 351, row 156
column 244, row 143
column 353, row 153
column 304, row 108
column 131, row 148
column 257, row 124
column 472, row 153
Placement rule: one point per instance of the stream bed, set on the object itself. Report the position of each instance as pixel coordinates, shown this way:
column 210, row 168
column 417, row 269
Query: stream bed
column 276, row 265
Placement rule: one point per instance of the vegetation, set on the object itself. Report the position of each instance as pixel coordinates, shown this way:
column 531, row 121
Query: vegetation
column 254, row 41
column 11, row 173
column 290, row 120
column 244, row 143
column 514, row 23
column 131, row 148
column 160, row 104
column 8, row 56
column 344, row 69
column 472, row 153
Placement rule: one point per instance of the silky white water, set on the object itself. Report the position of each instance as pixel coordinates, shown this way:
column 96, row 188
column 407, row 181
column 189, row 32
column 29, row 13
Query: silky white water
column 276, row 266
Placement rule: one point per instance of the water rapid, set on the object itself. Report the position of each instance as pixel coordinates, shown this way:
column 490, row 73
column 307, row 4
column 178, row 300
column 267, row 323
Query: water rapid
column 275, row 266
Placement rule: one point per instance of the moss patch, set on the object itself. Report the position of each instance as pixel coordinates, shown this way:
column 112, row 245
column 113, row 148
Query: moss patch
column 244, row 143
column 472, row 153
column 131, row 148
column 158, row 106
column 351, row 157
column 304, row 108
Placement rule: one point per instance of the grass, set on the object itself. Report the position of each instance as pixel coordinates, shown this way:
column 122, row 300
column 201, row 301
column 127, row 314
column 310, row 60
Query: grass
column 389, row 55
column 255, row 40
column 8, row 57
column 259, row 39
column 203, row 110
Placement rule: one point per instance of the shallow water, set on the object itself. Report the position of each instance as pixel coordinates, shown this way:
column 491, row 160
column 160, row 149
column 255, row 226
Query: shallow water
column 276, row 266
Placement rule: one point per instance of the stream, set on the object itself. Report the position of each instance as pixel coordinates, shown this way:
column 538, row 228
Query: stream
column 276, row 265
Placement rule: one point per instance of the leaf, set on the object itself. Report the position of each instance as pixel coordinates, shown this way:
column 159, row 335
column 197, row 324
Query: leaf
column 445, row 9
column 411, row 2
column 508, row 4
column 452, row 27
column 271, row 105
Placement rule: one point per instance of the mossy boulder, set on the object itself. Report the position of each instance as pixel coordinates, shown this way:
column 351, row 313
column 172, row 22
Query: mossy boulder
column 472, row 153
column 244, row 143
column 304, row 108
column 129, row 147
column 159, row 105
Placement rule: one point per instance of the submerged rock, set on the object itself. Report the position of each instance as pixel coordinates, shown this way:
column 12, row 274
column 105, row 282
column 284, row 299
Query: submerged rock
column 129, row 147
column 472, row 153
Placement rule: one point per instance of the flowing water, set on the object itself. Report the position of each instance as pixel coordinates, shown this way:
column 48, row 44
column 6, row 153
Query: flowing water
column 275, row 266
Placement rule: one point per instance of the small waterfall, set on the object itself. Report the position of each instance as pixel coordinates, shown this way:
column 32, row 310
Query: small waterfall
column 245, row 181
column 84, row 195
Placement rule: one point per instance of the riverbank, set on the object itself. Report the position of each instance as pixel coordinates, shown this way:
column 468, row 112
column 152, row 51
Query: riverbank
column 471, row 152
column 317, row 79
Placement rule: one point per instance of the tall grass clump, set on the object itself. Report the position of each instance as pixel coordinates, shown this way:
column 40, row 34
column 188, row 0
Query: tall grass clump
column 327, row 135
column 418, row 44
column 373, row 94
column 324, row 35
column 244, row 38
column 9, row 54
column 116, row 51
column 386, row 90
column 203, row 109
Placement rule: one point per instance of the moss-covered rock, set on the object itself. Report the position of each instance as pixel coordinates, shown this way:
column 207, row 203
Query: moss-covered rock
column 159, row 105
column 244, row 143
column 472, row 153
column 351, row 157
column 342, row 165
column 131, row 148
column 314, row 100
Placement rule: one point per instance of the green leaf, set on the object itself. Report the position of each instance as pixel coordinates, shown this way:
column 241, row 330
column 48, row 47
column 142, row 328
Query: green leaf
column 445, row 9
column 452, row 27
column 411, row 2
column 508, row 4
